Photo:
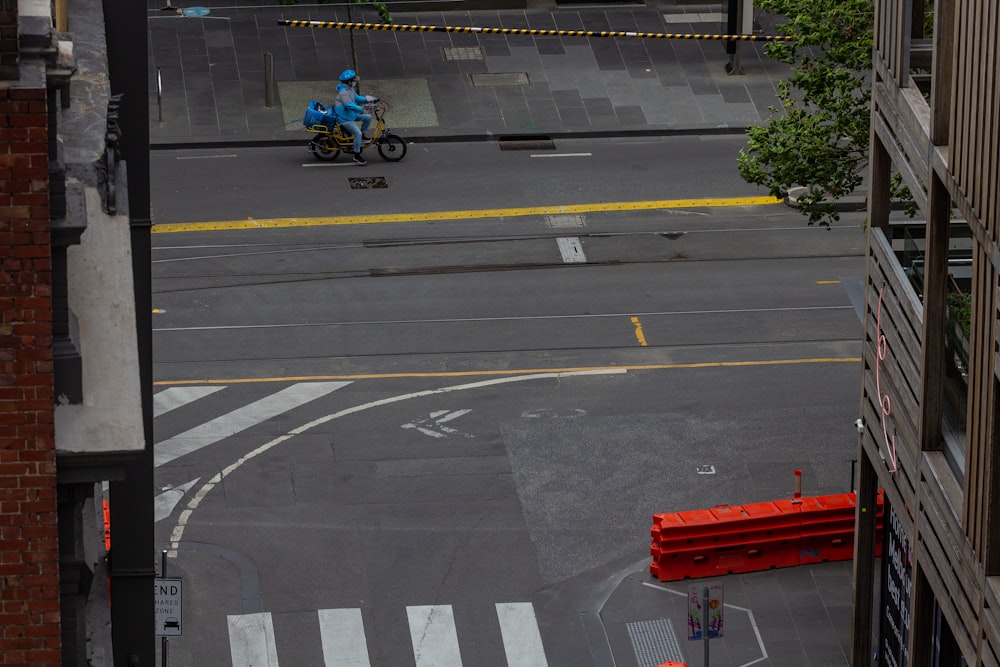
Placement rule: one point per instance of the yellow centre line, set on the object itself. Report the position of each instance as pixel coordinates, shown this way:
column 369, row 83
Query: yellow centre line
column 639, row 336
column 517, row 371
column 472, row 214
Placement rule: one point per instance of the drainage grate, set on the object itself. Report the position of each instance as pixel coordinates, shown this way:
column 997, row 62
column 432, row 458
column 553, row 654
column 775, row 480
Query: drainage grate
column 493, row 79
column 526, row 142
column 462, row 53
column 368, row 182
column 565, row 221
column 654, row 642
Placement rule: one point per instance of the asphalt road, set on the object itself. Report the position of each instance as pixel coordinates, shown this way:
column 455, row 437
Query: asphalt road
column 419, row 421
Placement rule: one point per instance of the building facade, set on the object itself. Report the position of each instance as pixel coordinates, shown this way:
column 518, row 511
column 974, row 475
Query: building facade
column 74, row 353
column 930, row 407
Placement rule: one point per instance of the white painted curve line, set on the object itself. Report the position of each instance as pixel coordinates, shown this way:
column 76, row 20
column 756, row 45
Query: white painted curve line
column 241, row 419
column 342, row 632
column 251, row 640
column 435, row 641
column 175, row 397
column 571, row 250
column 561, row 154
column 521, row 640
column 178, row 533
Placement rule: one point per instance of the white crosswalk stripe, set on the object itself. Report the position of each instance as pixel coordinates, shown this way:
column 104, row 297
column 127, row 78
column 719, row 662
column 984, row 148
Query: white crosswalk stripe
column 342, row 632
column 176, row 397
column 432, row 631
column 251, row 640
column 241, row 419
column 521, row 640
column 432, row 634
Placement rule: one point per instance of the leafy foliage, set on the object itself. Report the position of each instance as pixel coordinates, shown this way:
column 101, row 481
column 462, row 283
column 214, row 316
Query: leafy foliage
column 819, row 136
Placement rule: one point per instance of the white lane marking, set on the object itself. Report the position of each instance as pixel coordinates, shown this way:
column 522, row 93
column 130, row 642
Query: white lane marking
column 251, row 640
column 561, row 154
column 432, row 631
column 571, row 250
column 174, row 397
column 342, row 632
column 178, row 533
column 163, row 504
column 439, row 417
column 241, row 419
column 204, row 157
column 522, row 641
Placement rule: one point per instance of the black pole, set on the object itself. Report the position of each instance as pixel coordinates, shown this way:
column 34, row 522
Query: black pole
column 131, row 503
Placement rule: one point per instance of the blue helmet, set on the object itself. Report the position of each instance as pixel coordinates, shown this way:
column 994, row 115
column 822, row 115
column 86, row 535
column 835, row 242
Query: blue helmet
column 348, row 75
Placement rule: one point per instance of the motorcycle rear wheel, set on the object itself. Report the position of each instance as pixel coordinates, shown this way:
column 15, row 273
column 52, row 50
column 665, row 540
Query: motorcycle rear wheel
column 324, row 148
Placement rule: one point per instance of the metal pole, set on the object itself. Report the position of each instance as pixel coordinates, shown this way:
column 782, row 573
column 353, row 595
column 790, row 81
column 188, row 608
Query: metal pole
column 704, row 623
column 163, row 640
column 268, row 80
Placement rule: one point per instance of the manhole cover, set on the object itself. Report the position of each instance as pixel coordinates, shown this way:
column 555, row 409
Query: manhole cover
column 462, row 53
column 368, row 182
column 492, row 79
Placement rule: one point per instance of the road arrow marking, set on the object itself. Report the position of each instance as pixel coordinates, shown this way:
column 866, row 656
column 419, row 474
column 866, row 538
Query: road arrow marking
column 439, row 418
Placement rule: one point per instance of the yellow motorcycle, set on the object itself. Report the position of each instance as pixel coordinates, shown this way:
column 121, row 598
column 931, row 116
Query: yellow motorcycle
column 331, row 139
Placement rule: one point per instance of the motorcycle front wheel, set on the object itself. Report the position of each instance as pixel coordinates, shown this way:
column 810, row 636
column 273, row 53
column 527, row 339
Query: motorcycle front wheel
column 324, row 148
column 391, row 147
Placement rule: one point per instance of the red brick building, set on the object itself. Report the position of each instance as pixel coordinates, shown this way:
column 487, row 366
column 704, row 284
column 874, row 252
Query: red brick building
column 73, row 415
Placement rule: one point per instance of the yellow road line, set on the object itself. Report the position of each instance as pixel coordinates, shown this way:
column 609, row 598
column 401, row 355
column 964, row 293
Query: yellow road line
column 473, row 214
column 517, row 371
column 639, row 336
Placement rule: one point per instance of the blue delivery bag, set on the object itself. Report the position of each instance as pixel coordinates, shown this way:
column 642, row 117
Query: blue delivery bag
column 317, row 114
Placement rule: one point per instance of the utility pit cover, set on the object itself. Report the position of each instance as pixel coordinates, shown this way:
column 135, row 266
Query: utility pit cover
column 368, row 182
column 493, row 79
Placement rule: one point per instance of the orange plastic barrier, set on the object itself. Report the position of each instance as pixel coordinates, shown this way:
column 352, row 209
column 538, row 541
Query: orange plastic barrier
column 749, row 538
column 107, row 526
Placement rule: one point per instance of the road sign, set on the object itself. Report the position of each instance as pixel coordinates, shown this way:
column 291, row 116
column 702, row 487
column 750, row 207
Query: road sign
column 167, row 596
column 697, row 618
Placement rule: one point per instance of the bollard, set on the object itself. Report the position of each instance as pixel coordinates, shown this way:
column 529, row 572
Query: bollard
column 159, row 96
column 268, row 80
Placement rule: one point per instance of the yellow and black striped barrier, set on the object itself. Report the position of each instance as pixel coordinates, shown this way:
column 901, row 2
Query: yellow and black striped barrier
column 343, row 25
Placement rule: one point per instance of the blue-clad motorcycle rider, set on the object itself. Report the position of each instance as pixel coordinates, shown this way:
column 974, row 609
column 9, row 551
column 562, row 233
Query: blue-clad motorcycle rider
column 347, row 107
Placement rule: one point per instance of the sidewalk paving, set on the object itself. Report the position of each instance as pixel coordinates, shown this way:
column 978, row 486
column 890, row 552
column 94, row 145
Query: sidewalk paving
column 207, row 70
column 460, row 86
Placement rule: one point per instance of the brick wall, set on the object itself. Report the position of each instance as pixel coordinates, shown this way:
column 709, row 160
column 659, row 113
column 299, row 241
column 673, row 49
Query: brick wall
column 29, row 549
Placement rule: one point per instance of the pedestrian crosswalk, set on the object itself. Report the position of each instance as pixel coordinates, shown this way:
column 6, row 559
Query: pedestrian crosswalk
column 231, row 423
column 435, row 638
column 432, row 629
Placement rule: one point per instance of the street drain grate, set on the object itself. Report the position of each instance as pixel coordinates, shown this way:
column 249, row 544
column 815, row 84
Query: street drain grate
column 565, row 221
column 526, row 142
column 494, row 79
column 368, row 182
column 462, row 53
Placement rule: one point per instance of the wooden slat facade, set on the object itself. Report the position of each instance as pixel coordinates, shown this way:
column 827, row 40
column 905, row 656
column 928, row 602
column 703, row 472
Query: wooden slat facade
column 946, row 146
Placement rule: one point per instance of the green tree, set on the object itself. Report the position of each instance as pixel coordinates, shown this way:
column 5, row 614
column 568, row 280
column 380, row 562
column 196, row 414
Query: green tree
column 819, row 136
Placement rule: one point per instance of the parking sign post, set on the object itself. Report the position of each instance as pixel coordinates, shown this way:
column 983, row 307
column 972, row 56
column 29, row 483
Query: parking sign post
column 168, row 600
